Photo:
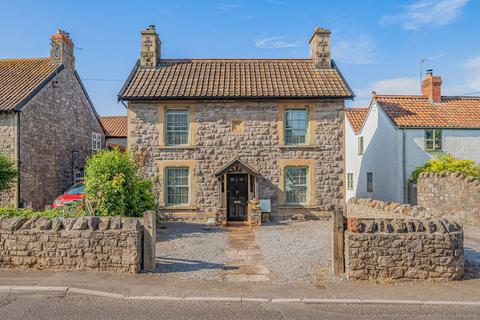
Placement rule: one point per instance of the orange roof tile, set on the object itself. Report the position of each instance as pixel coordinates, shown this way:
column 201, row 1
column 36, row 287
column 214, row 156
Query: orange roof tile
column 234, row 78
column 114, row 126
column 419, row 111
column 20, row 78
column 356, row 116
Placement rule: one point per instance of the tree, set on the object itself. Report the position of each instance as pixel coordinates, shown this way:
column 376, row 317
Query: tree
column 114, row 186
column 8, row 172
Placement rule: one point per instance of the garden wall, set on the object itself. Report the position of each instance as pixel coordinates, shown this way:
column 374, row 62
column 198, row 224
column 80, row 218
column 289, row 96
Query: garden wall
column 90, row 243
column 450, row 192
column 387, row 241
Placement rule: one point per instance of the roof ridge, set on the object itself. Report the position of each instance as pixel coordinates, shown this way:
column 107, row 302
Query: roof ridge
column 400, row 96
column 237, row 59
column 113, row 116
column 12, row 59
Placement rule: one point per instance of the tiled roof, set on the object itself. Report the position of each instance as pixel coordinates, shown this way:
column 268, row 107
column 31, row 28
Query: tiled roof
column 114, row 126
column 235, row 78
column 356, row 116
column 419, row 111
column 21, row 78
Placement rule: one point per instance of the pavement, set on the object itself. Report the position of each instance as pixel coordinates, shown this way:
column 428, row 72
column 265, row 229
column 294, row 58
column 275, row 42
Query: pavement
column 153, row 286
column 13, row 308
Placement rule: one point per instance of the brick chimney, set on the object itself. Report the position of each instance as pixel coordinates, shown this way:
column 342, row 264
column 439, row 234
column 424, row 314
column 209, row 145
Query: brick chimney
column 61, row 51
column 320, row 48
column 432, row 87
column 150, row 48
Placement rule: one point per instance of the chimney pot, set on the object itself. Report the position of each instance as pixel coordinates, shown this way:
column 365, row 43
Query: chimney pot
column 320, row 48
column 150, row 48
column 432, row 87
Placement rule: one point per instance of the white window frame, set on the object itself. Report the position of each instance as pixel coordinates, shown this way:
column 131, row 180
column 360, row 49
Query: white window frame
column 435, row 132
column 349, row 181
column 170, row 204
column 171, row 131
column 285, row 129
column 360, row 145
column 96, row 141
column 307, row 186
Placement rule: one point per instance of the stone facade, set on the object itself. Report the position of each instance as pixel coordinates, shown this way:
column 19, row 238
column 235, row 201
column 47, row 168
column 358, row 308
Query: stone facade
column 247, row 130
column 8, row 146
column 450, row 192
column 396, row 242
column 90, row 243
column 56, row 128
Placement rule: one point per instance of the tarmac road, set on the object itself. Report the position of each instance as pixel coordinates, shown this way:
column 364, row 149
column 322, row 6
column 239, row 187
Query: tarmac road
column 99, row 308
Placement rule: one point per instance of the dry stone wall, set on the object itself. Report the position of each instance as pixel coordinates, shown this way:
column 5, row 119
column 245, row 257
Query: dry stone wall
column 8, row 147
column 90, row 243
column 216, row 144
column 450, row 192
column 397, row 242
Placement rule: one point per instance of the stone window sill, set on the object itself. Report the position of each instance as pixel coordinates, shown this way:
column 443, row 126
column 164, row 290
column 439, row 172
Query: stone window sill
column 297, row 147
column 177, row 147
column 178, row 207
column 307, row 206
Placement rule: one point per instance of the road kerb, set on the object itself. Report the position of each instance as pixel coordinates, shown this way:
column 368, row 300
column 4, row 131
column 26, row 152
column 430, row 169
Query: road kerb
column 287, row 300
column 77, row 291
column 260, row 300
column 36, row 290
column 5, row 289
column 213, row 299
column 154, row 298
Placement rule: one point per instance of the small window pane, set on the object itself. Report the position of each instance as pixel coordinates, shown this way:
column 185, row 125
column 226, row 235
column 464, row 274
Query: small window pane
column 177, row 124
column 369, row 182
column 296, row 123
column 296, row 185
column 350, row 181
column 433, row 140
column 360, row 146
column 177, row 186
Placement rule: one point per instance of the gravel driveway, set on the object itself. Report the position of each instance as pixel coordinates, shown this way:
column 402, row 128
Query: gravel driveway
column 191, row 250
column 297, row 251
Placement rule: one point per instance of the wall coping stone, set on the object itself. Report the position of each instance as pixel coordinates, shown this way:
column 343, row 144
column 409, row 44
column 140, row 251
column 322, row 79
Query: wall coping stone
column 92, row 223
column 373, row 225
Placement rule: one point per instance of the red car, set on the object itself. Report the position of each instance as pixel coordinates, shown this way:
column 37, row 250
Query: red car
column 74, row 194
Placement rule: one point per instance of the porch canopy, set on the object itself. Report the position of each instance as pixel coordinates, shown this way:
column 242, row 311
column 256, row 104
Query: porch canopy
column 236, row 166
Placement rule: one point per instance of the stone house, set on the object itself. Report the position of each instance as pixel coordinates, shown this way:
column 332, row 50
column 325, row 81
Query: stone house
column 396, row 134
column 217, row 133
column 48, row 124
column 115, row 129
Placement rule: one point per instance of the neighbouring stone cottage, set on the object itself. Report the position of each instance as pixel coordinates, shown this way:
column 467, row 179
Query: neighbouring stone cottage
column 216, row 133
column 48, row 124
column 115, row 129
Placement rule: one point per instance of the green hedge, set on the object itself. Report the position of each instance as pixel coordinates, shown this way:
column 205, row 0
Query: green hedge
column 447, row 163
column 28, row 213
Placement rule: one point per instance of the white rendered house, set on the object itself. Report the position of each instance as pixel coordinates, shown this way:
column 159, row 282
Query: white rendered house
column 395, row 134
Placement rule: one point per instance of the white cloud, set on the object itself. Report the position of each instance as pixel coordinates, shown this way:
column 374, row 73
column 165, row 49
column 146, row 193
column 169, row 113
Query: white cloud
column 275, row 43
column 426, row 12
column 394, row 86
column 357, row 51
column 276, row 2
column 228, row 6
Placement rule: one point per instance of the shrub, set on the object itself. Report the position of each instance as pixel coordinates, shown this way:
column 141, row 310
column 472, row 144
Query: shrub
column 28, row 213
column 113, row 185
column 8, row 172
column 447, row 162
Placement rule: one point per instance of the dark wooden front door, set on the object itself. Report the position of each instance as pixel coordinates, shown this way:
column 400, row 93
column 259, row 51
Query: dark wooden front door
column 237, row 197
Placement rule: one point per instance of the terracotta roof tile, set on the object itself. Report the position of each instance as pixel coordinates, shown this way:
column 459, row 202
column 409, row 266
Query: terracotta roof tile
column 20, row 77
column 114, row 126
column 234, row 78
column 356, row 116
column 419, row 111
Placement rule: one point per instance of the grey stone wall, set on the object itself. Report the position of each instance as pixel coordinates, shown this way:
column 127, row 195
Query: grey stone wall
column 450, row 192
column 8, row 146
column 258, row 146
column 56, row 129
column 391, row 241
column 90, row 243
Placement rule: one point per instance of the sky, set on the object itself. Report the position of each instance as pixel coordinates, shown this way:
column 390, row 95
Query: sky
column 377, row 44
